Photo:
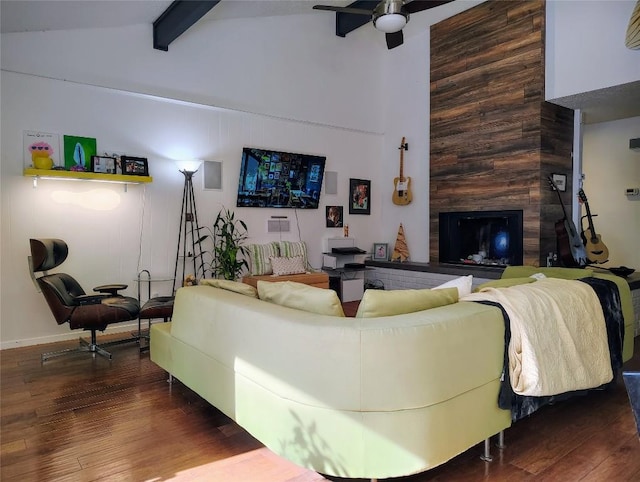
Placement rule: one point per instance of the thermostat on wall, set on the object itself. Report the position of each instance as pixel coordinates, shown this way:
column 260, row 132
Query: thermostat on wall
column 632, row 191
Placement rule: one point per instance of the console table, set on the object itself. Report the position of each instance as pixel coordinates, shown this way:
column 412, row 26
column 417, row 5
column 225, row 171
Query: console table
column 317, row 279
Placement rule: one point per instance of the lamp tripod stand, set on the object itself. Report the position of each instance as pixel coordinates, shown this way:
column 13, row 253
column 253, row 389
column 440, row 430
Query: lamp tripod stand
column 189, row 228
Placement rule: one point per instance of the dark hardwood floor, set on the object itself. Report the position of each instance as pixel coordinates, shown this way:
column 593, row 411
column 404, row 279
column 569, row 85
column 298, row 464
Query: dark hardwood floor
column 82, row 419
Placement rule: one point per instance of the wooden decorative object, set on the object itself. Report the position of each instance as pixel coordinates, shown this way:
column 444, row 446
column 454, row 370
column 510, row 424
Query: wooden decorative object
column 401, row 250
column 632, row 40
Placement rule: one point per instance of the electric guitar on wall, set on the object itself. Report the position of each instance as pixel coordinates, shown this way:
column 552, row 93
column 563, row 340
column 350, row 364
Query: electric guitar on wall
column 597, row 252
column 570, row 248
column 402, row 192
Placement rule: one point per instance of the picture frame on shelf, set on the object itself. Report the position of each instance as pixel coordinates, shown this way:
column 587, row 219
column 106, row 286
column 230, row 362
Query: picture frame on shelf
column 78, row 152
column 360, row 200
column 380, row 252
column 103, row 164
column 134, row 166
column 42, row 150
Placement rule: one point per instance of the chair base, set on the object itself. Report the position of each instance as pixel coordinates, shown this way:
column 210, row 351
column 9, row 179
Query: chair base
column 89, row 346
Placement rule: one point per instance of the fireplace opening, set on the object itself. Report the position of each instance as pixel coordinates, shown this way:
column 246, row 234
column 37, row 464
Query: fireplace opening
column 492, row 238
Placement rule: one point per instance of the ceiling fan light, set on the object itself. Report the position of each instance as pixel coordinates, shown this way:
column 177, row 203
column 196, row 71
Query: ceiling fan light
column 390, row 23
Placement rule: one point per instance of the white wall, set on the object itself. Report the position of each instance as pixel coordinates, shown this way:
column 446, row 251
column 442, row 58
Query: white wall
column 585, row 46
column 287, row 83
column 610, row 167
column 317, row 97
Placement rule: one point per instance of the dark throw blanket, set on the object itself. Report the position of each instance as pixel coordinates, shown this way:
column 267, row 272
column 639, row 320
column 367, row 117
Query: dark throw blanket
column 522, row 406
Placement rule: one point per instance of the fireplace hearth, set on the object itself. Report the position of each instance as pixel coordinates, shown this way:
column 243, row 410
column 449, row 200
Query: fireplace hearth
column 489, row 238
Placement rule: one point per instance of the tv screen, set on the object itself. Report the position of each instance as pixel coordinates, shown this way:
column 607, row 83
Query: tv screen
column 273, row 179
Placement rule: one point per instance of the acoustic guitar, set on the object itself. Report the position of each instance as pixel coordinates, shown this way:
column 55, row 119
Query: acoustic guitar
column 597, row 252
column 570, row 248
column 402, row 185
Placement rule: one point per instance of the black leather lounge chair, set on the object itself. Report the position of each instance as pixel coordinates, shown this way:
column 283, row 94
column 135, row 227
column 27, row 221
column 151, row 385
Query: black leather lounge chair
column 70, row 304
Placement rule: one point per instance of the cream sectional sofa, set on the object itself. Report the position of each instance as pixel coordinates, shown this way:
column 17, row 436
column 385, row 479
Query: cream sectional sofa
column 351, row 397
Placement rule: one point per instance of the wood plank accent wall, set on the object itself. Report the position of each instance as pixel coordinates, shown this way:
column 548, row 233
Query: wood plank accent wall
column 494, row 140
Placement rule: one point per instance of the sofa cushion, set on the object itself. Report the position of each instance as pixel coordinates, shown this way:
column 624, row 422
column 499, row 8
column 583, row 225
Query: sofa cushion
column 286, row 266
column 376, row 303
column 301, row 297
column 505, row 283
column 549, row 272
column 289, row 249
column 259, row 255
column 463, row 283
column 235, row 286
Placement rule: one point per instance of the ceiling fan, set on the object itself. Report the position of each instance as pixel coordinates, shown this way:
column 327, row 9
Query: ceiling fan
column 388, row 16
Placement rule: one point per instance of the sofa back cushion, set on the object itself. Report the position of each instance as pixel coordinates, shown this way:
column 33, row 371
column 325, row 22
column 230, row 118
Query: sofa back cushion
column 236, row 287
column 376, row 303
column 259, row 254
column 301, row 297
column 549, row 272
column 505, row 283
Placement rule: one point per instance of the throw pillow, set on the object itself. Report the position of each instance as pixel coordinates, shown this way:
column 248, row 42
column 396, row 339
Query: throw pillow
column 236, row 287
column 289, row 249
column 259, row 255
column 463, row 283
column 376, row 303
column 285, row 266
column 301, row 297
column 505, row 283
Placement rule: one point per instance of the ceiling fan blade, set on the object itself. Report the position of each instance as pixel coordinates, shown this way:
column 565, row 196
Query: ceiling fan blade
column 394, row 39
column 420, row 5
column 354, row 11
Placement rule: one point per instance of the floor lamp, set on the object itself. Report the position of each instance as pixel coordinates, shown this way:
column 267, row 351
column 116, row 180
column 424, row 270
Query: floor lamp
column 189, row 228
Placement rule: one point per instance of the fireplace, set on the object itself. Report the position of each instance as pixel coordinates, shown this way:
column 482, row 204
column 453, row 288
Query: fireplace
column 490, row 238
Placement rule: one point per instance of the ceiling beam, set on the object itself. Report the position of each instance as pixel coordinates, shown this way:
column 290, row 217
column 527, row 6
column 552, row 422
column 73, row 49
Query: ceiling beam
column 177, row 19
column 348, row 22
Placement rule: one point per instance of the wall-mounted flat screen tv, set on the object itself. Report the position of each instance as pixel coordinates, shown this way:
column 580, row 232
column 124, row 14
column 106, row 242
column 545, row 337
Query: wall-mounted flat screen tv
column 274, row 179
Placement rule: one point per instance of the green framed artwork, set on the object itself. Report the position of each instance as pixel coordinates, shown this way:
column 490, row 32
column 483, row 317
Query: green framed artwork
column 78, row 152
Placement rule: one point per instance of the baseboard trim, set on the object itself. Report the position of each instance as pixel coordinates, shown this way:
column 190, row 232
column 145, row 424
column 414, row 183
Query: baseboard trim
column 71, row 335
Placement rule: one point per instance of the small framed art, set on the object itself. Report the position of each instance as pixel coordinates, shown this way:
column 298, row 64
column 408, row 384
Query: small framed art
column 103, row 164
column 380, row 252
column 360, row 190
column 560, row 180
column 134, row 166
column 334, row 217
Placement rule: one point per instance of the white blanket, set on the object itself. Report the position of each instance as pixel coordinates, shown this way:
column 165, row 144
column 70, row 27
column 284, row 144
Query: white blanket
column 558, row 336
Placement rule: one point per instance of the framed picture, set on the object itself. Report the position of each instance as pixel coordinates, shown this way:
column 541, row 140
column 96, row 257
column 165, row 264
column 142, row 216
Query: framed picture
column 334, row 216
column 360, row 190
column 42, row 150
column 560, row 181
column 78, row 152
column 134, row 166
column 103, row 164
column 380, row 251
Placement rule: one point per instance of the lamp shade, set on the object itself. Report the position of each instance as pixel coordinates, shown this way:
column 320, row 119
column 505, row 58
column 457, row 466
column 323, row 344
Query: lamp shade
column 188, row 165
column 390, row 23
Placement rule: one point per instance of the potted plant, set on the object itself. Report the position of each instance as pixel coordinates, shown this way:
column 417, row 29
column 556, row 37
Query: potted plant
column 228, row 235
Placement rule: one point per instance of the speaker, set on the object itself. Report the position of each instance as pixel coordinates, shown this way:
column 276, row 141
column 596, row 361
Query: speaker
column 331, row 182
column 279, row 225
column 212, row 175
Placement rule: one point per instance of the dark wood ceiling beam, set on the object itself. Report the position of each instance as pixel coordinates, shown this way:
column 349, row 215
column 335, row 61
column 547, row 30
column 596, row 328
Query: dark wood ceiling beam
column 177, row 19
